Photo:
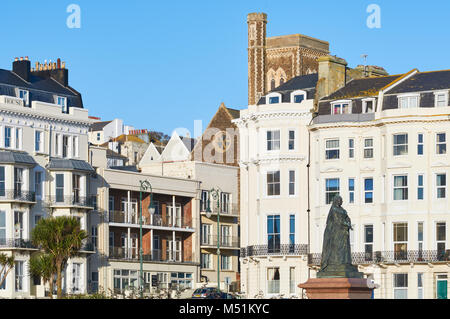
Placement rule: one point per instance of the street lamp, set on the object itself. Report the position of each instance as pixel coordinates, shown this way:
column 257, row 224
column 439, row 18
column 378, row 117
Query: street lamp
column 215, row 194
column 145, row 186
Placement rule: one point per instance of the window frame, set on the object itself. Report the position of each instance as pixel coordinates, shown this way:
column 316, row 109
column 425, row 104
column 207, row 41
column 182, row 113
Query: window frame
column 273, row 95
column 438, row 187
column 420, row 144
column 367, row 191
column 368, row 148
column 341, row 103
column 408, row 98
column 439, row 143
column 328, row 199
column 436, row 101
column 273, row 141
column 298, row 93
column 333, row 149
column 404, row 188
column 273, row 182
column 398, row 145
column 364, row 105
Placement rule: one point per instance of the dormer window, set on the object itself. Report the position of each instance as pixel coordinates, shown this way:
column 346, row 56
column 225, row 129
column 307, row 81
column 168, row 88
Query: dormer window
column 62, row 101
column 368, row 105
column 408, row 101
column 274, row 98
column 298, row 96
column 24, row 95
column 441, row 99
column 341, row 107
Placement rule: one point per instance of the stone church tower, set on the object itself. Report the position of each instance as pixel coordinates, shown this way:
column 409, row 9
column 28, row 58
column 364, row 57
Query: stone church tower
column 275, row 60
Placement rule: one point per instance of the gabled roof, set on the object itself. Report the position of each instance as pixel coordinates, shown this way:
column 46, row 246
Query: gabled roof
column 298, row 83
column 128, row 138
column 235, row 114
column 98, row 126
column 424, row 81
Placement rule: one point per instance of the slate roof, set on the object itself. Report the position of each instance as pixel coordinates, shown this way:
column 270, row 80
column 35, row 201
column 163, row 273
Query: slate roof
column 98, row 126
column 40, row 89
column 424, row 81
column 362, row 87
column 10, row 157
column 234, row 113
column 69, row 165
column 302, row 82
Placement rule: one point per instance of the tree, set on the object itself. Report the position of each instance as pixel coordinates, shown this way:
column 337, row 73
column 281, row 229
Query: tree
column 43, row 266
column 62, row 238
column 6, row 264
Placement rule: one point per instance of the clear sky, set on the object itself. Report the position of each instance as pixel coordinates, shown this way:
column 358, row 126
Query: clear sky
column 161, row 65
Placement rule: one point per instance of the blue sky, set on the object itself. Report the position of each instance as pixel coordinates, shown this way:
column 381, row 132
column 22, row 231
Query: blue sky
column 163, row 64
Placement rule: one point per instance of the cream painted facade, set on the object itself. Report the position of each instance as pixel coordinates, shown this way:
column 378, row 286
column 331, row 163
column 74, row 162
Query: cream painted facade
column 175, row 161
column 25, row 199
column 273, row 264
column 116, row 263
column 385, row 212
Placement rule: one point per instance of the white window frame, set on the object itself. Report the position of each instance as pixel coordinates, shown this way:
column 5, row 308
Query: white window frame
column 421, row 186
column 294, row 140
column 400, row 288
column 332, row 149
column 365, row 147
column 292, row 182
column 440, row 93
column 408, row 233
column 351, row 150
column 364, row 105
column 26, row 100
column 400, row 187
column 298, row 92
column 441, row 143
column 394, row 145
column 266, row 193
column 63, row 106
column 420, row 143
column 437, row 187
column 408, row 98
column 41, row 141
column 341, row 102
column 272, row 95
column 351, row 191
column 272, row 140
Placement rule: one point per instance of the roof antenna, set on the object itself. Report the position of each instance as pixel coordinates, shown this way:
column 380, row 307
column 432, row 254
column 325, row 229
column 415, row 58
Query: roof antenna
column 364, row 56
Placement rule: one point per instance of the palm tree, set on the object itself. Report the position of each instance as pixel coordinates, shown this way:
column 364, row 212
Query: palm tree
column 6, row 264
column 61, row 237
column 43, row 266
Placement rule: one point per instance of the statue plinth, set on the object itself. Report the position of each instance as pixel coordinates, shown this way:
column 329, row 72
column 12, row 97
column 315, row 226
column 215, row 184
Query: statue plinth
column 337, row 288
column 340, row 271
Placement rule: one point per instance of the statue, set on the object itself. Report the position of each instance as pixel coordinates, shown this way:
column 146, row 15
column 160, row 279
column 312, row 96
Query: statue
column 336, row 254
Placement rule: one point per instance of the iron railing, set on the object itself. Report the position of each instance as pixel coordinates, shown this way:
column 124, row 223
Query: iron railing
column 230, row 209
column 71, row 200
column 224, row 241
column 167, row 221
column 390, row 257
column 17, row 195
column 156, row 255
column 282, row 250
column 16, row 243
column 155, row 220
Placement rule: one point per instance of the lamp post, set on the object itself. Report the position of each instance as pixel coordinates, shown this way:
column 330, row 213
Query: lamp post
column 145, row 186
column 215, row 194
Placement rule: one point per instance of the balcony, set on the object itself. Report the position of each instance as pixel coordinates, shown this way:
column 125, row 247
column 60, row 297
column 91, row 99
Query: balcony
column 231, row 210
column 156, row 255
column 225, row 241
column 390, row 257
column 17, row 195
column 16, row 243
column 121, row 217
column 281, row 250
column 71, row 200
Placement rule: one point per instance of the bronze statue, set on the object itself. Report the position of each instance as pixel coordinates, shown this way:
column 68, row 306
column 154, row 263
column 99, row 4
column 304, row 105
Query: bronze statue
column 336, row 254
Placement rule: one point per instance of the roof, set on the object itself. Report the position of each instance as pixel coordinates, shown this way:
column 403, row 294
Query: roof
column 98, row 126
column 69, row 165
column 41, row 89
column 424, row 81
column 111, row 153
column 128, row 138
column 298, row 83
column 10, row 157
column 188, row 142
column 362, row 87
column 235, row 114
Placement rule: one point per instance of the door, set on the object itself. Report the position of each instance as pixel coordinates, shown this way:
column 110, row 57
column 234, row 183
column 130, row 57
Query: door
column 441, row 288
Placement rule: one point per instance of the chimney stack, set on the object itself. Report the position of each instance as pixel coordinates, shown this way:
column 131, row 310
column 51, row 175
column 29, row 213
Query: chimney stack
column 332, row 75
column 55, row 70
column 22, row 68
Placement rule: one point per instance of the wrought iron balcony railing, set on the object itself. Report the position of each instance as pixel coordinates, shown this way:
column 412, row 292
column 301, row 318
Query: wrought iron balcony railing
column 156, row 255
column 71, row 200
column 168, row 221
column 282, row 250
column 225, row 241
column 155, row 220
column 17, row 195
column 230, row 209
column 16, row 243
column 391, row 257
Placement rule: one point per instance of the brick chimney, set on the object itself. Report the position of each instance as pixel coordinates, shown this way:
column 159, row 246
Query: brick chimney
column 56, row 71
column 22, row 68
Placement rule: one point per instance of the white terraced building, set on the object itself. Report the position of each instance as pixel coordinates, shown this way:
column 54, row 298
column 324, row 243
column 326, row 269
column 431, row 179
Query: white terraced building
column 381, row 143
column 43, row 168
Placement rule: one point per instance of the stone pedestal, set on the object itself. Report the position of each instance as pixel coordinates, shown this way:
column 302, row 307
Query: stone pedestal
column 337, row 288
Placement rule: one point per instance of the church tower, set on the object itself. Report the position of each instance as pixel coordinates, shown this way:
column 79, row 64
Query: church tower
column 256, row 56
